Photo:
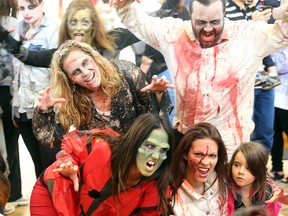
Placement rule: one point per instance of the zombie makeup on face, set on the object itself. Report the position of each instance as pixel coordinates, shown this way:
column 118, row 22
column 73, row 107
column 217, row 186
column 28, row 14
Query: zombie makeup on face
column 27, row 7
column 194, row 165
column 201, row 160
column 152, row 152
column 148, row 148
column 82, row 69
column 207, row 23
column 32, row 12
column 80, row 26
column 84, row 63
column 30, row 7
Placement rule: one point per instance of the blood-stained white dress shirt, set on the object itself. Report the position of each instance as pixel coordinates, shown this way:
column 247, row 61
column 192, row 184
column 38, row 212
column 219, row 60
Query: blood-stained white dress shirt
column 215, row 84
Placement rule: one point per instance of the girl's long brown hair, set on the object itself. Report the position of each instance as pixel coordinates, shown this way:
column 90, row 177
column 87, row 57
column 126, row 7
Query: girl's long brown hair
column 256, row 157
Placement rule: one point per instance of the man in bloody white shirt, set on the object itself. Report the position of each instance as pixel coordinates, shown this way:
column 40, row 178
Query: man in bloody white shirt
column 213, row 62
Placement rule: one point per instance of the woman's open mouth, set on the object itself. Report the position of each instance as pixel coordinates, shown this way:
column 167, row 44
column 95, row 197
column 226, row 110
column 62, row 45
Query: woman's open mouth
column 78, row 37
column 150, row 165
column 203, row 172
column 90, row 78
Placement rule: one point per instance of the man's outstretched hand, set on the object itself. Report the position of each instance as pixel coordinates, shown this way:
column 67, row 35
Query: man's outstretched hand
column 120, row 3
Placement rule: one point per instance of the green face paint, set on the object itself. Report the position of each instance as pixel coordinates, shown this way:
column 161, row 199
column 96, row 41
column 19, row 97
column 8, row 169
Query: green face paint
column 152, row 152
column 80, row 26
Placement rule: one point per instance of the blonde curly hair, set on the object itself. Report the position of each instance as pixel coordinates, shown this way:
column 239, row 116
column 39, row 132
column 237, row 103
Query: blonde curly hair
column 75, row 110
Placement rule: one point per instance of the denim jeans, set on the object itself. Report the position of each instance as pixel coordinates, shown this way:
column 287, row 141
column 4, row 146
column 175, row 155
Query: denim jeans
column 263, row 116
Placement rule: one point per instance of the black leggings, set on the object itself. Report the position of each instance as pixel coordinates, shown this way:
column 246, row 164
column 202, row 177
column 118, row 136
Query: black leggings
column 280, row 125
column 42, row 155
column 11, row 139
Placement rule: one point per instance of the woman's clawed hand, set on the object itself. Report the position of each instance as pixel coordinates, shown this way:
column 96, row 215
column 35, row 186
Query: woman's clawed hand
column 45, row 100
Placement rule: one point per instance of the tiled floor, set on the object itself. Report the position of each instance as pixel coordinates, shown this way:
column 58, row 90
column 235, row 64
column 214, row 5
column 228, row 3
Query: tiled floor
column 28, row 180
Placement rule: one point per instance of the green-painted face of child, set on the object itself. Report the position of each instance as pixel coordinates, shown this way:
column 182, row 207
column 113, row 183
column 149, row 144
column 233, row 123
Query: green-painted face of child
column 80, row 26
column 152, row 152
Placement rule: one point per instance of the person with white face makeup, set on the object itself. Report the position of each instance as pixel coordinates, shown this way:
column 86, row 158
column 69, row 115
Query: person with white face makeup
column 37, row 33
column 114, row 175
column 199, row 174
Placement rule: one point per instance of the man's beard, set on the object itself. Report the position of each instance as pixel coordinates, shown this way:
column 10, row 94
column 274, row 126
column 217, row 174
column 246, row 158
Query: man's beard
column 207, row 39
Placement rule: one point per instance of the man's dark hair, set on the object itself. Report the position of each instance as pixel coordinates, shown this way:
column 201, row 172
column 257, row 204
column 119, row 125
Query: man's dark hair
column 206, row 3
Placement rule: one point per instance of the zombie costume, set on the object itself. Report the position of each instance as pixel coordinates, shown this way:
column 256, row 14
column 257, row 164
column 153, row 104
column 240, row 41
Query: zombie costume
column 214, row 84
column 27, row 83
column 93, row 158
column 126, row 105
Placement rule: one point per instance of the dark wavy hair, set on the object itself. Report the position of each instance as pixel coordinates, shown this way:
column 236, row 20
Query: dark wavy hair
column 206, row 3
column 124, row 152
column 125, row 149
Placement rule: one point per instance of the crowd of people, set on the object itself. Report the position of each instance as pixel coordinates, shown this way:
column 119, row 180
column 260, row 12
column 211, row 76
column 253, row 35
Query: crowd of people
column 98, row 130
